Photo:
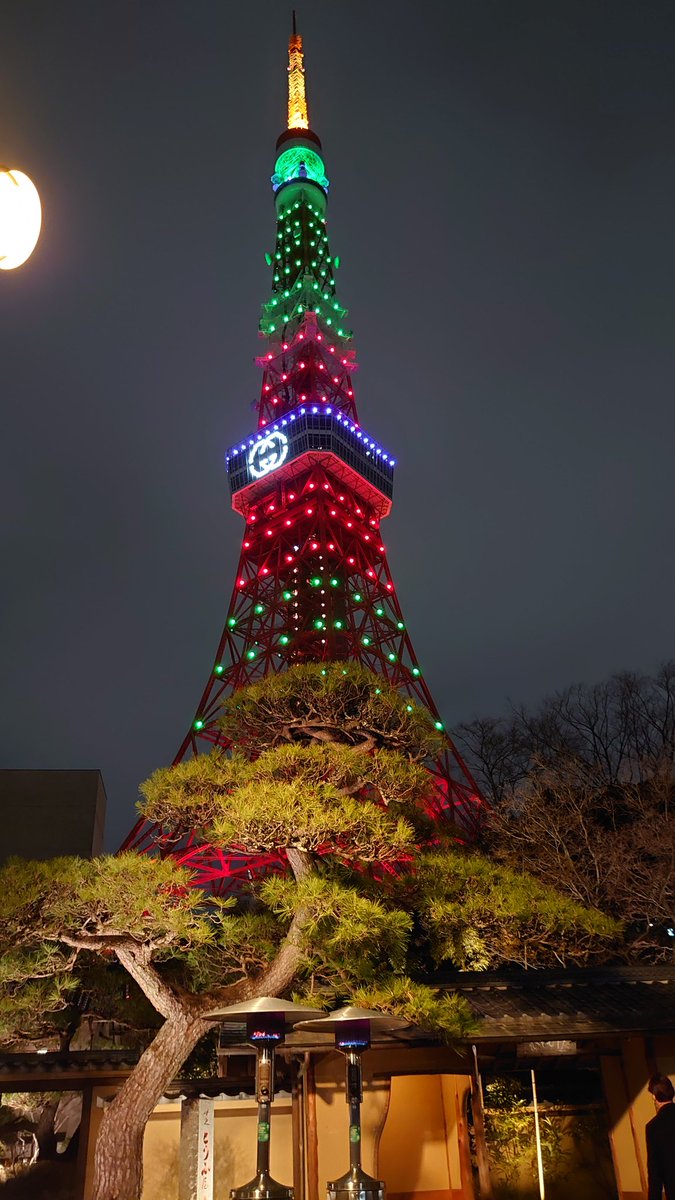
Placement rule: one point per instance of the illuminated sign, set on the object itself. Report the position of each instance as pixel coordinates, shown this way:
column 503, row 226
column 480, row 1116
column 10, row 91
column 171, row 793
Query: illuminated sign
column 325, row 434
column 205, row 1150
column 268, row 454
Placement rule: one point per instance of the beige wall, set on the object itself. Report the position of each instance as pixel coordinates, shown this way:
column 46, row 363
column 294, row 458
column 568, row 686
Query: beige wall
column 410, row 1137
column 235, row 1147
column 409, row 1130
column 161, row 1146
column 234, row 1151
column 332, row 1118
column 419, row 1150
column 625, row 1079
column 98, row 1096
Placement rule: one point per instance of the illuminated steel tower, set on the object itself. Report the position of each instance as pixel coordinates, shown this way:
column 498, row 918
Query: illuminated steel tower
column 313, row 583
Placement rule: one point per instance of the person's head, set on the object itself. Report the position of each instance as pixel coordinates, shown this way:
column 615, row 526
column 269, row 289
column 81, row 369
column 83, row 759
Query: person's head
column 661, row 1089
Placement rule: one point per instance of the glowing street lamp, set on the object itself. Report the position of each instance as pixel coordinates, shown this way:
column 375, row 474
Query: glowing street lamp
column 20, row 218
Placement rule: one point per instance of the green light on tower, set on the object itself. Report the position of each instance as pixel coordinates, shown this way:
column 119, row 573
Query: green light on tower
column 290, row 164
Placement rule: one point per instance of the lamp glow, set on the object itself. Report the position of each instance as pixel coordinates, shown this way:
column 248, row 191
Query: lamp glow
column 297, row 100
column 20, row 218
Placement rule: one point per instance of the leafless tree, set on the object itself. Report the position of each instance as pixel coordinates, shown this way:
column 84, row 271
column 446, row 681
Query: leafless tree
column 581, row 794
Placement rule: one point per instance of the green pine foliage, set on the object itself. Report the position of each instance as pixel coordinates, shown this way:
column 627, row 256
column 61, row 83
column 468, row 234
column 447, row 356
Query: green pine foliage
column 35, row 1008
column 36, row 989
column 347, row 934
column 295, row 815
column 477, row 914
column 327, row 768
column 83, row 902
column 446, row 1013
column 190, row 795
column 60, row 918
column 243, row 945
column 333, row 702
column 292, row 797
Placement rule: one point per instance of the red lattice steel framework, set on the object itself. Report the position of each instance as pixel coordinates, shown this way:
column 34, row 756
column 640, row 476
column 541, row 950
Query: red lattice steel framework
column 313, row 583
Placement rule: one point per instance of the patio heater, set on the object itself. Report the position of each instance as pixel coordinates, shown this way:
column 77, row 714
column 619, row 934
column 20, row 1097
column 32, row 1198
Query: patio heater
column 353, row 1028
column 267, row 1022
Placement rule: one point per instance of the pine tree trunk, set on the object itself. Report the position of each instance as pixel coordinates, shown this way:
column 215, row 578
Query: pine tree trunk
column 46, row 1138
column 118, row 1162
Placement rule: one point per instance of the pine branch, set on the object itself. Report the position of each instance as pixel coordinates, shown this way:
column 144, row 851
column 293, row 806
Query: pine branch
column 137, row 960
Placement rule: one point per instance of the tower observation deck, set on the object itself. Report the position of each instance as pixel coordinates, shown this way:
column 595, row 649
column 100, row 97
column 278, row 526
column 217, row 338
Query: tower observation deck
column 313, row 485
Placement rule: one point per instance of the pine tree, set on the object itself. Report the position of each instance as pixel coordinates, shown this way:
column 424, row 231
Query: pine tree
column 328, row 780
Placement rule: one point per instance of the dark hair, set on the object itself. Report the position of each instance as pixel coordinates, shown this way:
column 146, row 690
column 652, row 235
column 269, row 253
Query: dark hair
column 661, row 1089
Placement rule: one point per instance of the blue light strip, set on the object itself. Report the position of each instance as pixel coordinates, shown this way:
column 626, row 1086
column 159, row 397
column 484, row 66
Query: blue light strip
column 347, row 425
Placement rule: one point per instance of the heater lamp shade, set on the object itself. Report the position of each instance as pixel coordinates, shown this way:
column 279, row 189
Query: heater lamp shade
column 262, row 1006
column 378, row 1022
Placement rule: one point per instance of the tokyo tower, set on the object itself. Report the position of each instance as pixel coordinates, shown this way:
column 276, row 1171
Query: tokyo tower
column 313, row 583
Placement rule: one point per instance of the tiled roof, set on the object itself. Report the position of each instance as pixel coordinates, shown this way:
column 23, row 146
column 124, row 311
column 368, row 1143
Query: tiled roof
column 570, row 1003
column 74, row 1067
column 511, row 1006
column 55, row 1062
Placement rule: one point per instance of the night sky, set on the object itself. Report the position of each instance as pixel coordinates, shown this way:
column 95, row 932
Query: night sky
column 503, row 201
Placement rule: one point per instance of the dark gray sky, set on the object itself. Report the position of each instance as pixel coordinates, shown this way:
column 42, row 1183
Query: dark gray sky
column 503, row 200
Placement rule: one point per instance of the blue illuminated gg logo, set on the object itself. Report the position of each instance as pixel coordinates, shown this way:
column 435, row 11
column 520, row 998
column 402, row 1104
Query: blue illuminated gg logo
column 268, row 454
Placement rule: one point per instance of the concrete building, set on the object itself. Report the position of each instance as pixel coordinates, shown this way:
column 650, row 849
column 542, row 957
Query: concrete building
column 46, row 814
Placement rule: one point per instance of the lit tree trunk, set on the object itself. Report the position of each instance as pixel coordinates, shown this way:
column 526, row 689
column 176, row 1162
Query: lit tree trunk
column 46, row 1138
column 118, row 1163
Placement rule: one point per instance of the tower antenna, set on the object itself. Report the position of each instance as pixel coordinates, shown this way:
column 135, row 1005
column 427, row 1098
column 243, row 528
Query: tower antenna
column 297, row 99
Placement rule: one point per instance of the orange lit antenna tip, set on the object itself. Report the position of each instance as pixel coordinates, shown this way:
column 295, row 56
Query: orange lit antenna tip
column 297, row 99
